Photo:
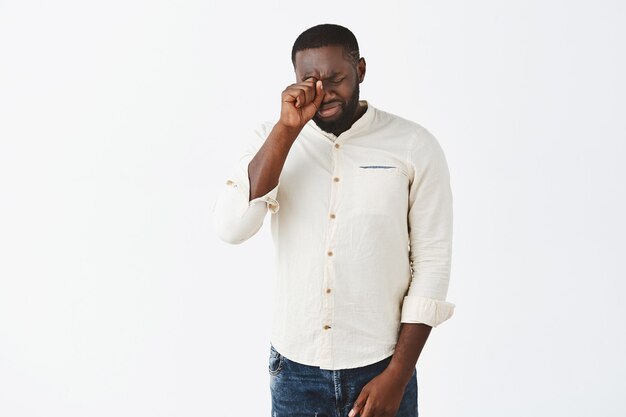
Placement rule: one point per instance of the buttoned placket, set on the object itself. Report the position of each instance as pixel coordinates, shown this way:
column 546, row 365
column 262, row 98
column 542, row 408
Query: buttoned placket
column 327, row 290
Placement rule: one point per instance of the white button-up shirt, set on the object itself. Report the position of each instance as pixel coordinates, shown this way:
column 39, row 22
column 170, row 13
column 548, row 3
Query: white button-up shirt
column 362, row 228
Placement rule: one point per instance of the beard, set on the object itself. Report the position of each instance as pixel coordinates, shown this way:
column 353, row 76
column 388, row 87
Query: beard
column 345, row 120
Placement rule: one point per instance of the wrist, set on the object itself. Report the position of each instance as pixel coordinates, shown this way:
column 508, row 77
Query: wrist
column 286, row 132
column 400, row 373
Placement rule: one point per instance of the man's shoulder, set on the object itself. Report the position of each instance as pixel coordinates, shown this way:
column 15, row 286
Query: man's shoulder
column 264, row 128
column 413, row 130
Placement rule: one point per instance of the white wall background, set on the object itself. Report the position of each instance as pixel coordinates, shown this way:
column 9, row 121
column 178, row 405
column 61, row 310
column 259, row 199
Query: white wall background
column 119, row 119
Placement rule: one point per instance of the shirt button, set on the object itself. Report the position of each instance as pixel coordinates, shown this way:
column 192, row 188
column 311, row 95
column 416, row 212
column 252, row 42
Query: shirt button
column 326, row 327
column 337, row 146
column 332, row 215
column 336, row 179
column 327, row 290
column 330, row 253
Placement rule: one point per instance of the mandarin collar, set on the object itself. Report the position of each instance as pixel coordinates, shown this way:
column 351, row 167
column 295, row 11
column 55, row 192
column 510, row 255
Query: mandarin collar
column 357, row 126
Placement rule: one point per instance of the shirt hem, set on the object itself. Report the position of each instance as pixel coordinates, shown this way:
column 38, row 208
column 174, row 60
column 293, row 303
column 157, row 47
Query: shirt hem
column 302, row 361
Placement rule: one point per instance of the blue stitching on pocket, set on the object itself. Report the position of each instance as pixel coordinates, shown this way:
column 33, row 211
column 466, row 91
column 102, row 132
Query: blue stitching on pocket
column 376, row 166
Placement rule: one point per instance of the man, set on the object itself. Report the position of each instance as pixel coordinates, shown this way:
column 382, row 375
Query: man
column 362, row 225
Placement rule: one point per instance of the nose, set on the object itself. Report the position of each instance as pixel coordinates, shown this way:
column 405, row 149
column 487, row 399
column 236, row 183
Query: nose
column 329, row 91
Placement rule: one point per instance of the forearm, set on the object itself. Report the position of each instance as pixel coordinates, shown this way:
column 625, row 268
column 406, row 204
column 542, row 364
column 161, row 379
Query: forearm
column 300, row 102
column 411, row 341
column 265, row 168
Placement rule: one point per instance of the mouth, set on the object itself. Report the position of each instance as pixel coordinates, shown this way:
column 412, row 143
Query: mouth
column 329, row 110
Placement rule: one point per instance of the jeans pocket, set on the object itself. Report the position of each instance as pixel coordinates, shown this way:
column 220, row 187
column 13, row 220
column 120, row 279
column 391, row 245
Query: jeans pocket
column 276, row 361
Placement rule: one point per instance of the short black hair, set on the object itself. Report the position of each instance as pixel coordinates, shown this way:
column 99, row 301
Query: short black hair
column 327, row 35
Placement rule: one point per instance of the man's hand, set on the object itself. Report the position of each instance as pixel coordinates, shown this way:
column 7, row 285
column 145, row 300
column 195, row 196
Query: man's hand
column 300, row 102
column 380, row 397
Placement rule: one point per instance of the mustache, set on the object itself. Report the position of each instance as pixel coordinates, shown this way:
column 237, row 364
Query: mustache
column 330, row 102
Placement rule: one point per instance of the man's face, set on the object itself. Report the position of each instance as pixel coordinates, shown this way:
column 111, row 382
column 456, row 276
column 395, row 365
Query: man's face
column 341, row 80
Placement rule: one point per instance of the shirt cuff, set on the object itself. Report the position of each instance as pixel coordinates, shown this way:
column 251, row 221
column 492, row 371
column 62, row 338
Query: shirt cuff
column 269, row 198
column 416, row 309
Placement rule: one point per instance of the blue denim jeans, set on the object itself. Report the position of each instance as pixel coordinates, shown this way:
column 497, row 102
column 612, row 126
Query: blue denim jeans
column 300, row 390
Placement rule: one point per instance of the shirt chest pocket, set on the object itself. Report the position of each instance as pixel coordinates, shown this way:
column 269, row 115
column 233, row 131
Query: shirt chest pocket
column 379, row 189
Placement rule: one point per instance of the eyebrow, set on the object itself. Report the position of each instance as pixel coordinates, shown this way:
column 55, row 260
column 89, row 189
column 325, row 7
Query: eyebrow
column 307, row 75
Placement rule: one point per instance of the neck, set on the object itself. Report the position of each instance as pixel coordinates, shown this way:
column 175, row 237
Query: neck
column 360, row 110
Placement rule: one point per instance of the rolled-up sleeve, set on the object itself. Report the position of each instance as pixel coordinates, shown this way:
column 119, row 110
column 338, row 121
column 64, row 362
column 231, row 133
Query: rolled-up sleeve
column 236, row 217
column 430, row 234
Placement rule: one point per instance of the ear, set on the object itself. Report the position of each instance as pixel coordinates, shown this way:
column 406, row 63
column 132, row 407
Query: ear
column 360, row 69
